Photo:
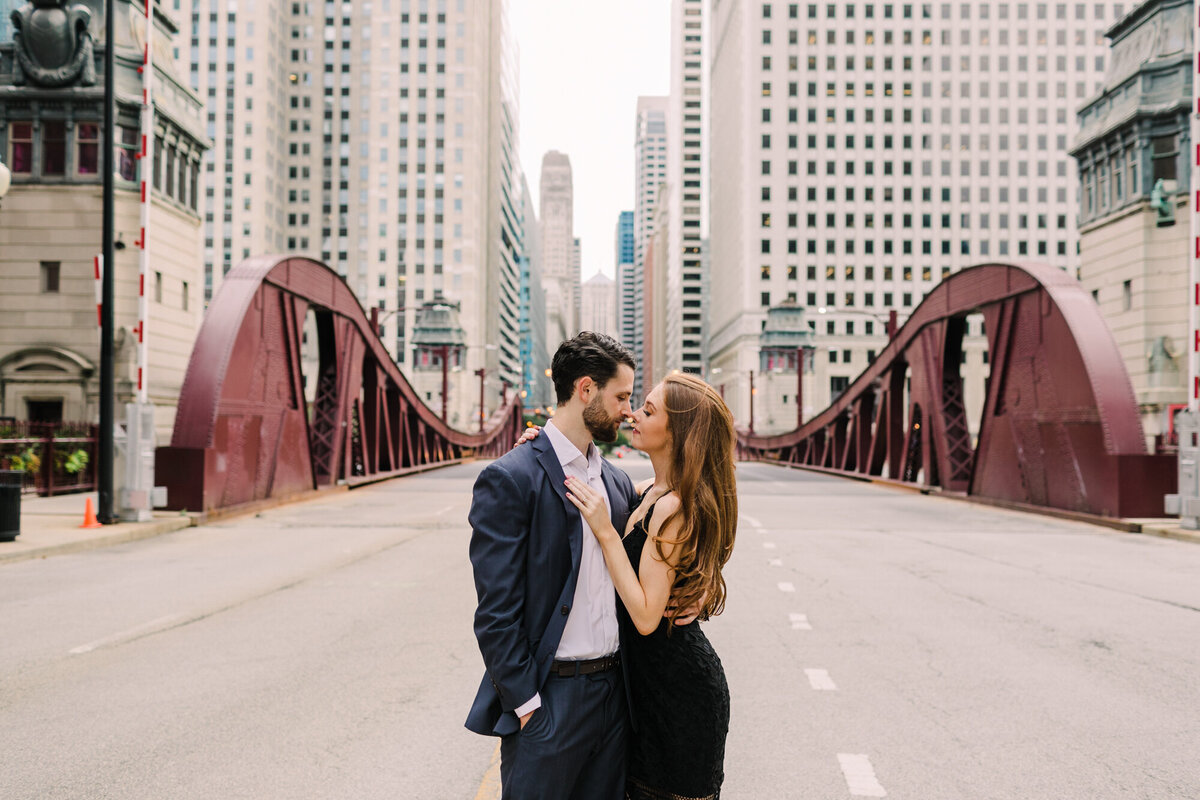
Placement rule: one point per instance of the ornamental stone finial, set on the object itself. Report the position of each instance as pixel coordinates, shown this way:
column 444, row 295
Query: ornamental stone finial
column 53, row 47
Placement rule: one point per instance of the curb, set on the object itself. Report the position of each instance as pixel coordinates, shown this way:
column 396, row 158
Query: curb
column 1161, row 528
column 1171, row 532
column 133, row 531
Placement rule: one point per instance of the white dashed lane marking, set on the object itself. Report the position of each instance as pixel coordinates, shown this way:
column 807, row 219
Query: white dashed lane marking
column 768, row 545
column 800, row 622
column 860, row 775
column 751, row 520
column 776, row 562
column 819, row 679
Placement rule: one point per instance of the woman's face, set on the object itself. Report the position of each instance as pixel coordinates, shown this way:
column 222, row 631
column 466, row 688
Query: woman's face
column 650, row 423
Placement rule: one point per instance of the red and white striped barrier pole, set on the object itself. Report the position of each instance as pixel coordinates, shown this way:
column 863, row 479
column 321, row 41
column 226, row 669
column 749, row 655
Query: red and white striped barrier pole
column 146, row 156
column 98, row 271
column 1194, row 310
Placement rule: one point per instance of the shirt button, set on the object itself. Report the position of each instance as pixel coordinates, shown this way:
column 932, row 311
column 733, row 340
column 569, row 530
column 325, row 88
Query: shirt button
column 565, row 610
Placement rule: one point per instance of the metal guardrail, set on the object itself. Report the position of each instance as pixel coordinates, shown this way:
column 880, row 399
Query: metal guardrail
column 56, row 457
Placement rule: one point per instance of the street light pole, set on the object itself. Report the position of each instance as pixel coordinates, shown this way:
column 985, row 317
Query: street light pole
column 752, row 401
column 481, row 373
column 104, row 469
column 799, row 387
column 444, row 354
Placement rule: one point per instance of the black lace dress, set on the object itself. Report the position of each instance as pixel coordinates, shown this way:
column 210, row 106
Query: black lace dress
column 679, row 701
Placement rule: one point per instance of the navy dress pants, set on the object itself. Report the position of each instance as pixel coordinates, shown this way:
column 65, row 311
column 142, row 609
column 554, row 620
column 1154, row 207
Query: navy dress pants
column 573, row 747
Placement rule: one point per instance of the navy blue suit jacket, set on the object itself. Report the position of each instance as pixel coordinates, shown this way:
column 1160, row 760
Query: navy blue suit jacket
column 526, row 541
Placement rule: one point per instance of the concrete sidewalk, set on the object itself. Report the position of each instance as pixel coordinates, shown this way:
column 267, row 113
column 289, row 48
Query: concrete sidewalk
column 50, row 526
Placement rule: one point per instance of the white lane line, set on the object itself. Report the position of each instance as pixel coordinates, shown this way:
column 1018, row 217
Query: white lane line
column 753, row 522
column 800, row 622
column 819, row 679
column 785, row 586
column 860, row 776
column 768, row 545
column 153, row 624
column 776, row 562
column 444, row 510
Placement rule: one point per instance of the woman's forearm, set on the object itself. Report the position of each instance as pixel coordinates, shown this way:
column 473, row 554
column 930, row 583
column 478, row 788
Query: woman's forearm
column 629, row 588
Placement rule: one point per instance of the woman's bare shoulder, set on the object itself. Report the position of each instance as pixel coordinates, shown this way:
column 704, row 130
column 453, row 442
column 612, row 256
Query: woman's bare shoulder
column 664, row 507
column 642, row 486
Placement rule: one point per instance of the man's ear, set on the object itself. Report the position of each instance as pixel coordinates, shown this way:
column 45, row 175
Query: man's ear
column 581, row 387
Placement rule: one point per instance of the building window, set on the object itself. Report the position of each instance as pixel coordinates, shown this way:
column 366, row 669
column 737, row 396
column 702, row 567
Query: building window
column 185, row 295
column 1127, row 295
column 158, row 283
column 54, row 148
column 157, row 168
column 87, row 140
column 50, row 275
column 127, row 154
column 1165, row 151
column 20, row 136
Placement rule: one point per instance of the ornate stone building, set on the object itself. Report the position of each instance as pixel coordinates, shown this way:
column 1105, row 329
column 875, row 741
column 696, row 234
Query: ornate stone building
column 1132, row 150
column 51, row 136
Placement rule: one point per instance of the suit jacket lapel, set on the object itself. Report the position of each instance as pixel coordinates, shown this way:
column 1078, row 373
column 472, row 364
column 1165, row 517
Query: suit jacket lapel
column 549, row 461
column 618, row 503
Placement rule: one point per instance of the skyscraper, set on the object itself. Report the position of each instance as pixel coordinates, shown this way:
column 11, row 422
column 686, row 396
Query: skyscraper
column 687, row 187
column 650, row 162
column 535, row 358
column 650, row 158
column 558, row 247
column 246, row 181
column 865, row 151
column 380, row 138
column 599, row 305
column 629, row 292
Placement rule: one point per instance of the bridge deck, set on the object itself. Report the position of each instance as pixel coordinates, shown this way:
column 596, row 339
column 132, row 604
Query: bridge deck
column 324, row 650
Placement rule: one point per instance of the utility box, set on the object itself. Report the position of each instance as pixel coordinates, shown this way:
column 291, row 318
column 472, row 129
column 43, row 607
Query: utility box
column 139, row 496
column 11, row 481
column 1187, row 503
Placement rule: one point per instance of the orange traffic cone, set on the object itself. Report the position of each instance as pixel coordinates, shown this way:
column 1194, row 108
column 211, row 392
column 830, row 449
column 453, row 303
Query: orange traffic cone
column 89, row 516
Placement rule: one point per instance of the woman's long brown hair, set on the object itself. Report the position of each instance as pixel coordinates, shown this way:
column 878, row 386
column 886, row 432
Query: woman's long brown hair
column 702, row 452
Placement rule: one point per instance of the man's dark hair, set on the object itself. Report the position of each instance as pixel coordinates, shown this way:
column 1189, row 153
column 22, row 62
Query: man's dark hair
column 588, row 354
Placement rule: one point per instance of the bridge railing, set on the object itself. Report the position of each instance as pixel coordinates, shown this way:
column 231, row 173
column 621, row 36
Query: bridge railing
column 1059, row 427
column 245, row 431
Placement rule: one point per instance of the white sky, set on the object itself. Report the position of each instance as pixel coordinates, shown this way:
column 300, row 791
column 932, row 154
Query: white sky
column 583, row 64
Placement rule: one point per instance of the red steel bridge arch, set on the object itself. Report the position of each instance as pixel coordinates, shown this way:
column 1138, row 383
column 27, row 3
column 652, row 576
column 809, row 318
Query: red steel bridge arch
column 243, row 430
column 1060, row 426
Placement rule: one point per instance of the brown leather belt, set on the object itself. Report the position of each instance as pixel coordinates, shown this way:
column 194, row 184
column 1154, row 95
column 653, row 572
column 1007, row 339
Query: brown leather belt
column 569, row 669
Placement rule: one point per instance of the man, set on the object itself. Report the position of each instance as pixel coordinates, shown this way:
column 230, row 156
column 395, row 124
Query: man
column 546, row 620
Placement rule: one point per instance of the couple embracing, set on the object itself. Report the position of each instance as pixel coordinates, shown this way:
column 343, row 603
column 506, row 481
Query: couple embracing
column 599, row 681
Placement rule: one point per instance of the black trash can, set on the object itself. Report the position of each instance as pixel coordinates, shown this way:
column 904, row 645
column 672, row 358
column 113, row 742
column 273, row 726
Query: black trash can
column 11, row 481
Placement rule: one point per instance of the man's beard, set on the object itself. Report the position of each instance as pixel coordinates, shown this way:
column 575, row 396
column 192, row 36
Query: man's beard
column 602, row 427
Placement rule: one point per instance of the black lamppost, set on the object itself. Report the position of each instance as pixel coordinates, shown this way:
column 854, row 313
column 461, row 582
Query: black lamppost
column 104, row 469
column 752, row 401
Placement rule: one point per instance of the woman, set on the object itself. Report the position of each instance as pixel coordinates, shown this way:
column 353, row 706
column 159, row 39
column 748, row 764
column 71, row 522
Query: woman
column 677, row 540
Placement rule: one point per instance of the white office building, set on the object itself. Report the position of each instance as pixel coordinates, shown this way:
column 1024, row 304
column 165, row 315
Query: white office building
column 381, row 138
column 687, row 194
column 557, row 207
column 650, row 164
column 864, row 151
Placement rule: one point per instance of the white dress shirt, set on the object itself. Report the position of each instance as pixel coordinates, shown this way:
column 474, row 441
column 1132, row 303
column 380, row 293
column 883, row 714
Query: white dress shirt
column 591, row 628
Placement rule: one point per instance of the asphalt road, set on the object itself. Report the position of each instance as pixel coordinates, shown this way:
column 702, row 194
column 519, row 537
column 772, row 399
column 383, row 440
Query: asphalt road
column 876, row 641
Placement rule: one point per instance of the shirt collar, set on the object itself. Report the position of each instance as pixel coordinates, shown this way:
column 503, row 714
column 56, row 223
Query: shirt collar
column 568, row 452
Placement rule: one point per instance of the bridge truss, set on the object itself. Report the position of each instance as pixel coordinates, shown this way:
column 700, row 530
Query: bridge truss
column 245, row 431
column 1060, row 426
